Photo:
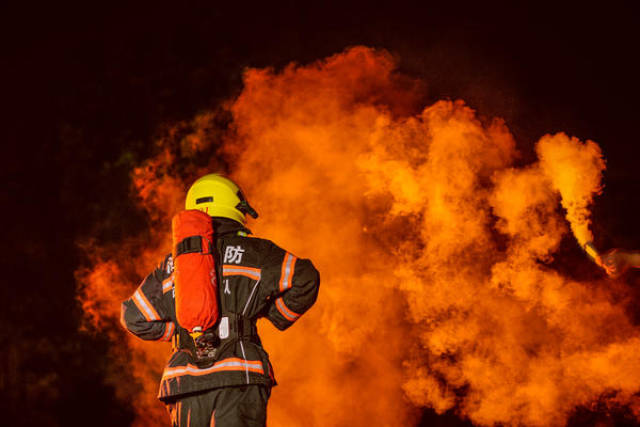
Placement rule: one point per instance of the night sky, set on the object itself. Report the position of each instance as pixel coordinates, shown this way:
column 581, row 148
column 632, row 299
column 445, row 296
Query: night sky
column 86, row 89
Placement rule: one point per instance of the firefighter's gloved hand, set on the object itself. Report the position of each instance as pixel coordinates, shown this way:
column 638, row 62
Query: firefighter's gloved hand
column 206, row 344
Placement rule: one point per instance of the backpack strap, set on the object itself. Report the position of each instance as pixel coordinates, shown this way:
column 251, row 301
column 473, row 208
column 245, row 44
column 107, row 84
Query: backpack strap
column 189, row 245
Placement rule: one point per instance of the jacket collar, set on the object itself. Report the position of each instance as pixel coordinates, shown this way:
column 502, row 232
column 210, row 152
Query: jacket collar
column 224, row 226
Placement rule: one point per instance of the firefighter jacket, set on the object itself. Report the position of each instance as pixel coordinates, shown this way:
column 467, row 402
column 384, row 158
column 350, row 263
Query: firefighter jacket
column 256, row 279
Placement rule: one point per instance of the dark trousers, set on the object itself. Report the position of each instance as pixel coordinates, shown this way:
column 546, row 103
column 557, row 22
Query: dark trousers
column 241, row 406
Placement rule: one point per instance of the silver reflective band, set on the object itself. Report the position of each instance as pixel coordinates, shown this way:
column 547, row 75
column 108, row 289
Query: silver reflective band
column 144, row 305
column 287, row 271
column 223, row 329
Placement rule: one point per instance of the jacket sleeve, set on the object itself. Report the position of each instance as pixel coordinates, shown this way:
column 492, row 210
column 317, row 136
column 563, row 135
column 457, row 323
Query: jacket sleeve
column 297, row 290
column 146, row 313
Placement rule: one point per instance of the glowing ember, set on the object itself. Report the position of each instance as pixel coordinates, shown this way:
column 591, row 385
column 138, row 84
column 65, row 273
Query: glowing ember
column 432, row 249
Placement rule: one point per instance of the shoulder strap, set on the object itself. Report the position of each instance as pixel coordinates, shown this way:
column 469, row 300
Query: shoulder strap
column 189, row 245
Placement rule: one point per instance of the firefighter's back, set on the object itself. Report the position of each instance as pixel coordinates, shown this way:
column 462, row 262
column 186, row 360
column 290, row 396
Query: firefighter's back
column 230, row 383
column 257, row 279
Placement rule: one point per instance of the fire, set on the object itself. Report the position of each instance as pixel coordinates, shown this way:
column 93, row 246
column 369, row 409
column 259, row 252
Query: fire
column 433, row 248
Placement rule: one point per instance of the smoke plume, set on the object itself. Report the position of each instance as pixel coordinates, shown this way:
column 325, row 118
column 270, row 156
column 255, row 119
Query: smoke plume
column 433, row 247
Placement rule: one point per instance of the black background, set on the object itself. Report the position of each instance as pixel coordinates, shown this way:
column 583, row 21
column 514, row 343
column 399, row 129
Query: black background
column 86, row 87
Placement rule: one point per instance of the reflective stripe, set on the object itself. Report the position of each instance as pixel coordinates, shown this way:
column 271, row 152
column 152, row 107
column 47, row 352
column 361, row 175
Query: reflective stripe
column 145, row 306
column 167, row 284
column 244, row 356
column 288, row 266
column 168, row 334
column 234, row 270
column 246, row 305
column 230, row 364
column 288, row 314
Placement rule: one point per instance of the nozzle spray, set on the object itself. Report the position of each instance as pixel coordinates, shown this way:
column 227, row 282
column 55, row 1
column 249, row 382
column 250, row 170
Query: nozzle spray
column 593, row 253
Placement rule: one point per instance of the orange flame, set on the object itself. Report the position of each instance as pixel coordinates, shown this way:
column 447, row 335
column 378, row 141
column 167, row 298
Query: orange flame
column 431, row 245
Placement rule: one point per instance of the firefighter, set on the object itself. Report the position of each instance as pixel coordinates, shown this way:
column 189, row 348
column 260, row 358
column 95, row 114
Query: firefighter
column 230, row 386
column 616, row 262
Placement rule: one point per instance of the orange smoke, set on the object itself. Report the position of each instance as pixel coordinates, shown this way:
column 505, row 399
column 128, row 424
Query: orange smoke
column 433, row 249
column 575, row 170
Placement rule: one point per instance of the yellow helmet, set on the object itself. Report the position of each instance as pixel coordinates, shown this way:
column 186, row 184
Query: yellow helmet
column 220, row 197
